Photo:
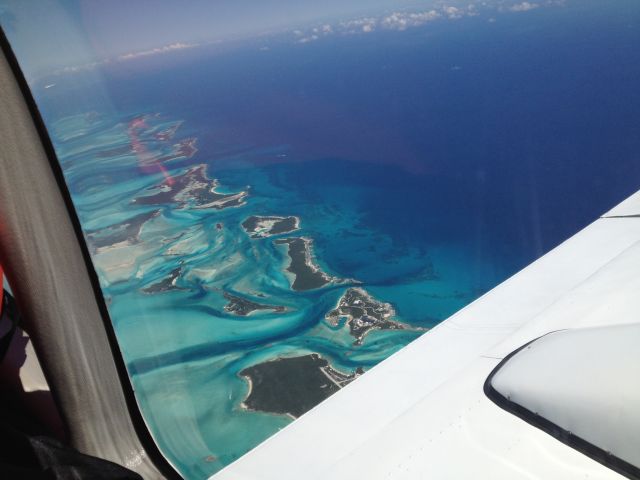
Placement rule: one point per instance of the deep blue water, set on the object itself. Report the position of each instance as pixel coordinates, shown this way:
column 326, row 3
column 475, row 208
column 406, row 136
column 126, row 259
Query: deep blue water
column 429, row 164
column 511, row 134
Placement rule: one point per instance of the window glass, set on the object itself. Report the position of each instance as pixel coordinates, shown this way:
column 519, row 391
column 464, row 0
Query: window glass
column 278, row 195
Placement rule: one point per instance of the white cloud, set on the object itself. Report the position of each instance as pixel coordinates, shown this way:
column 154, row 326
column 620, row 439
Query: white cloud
column 155, row 51
column 365, row 24
column 404, row 20
column 523, row 7
column 327, row 29
column 125, row 57
column 310, row 38
column 453, row 13
column 314, row 34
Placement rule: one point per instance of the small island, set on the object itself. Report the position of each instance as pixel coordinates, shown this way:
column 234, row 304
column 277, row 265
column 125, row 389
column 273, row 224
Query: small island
column 166, row 284
column 192, row 189
column 168, row 133
column 363, row 313
column 123, row 233
column 292, row 386
column 262, row 227
column 185, row 148
column 307, row 274
column 243, row 307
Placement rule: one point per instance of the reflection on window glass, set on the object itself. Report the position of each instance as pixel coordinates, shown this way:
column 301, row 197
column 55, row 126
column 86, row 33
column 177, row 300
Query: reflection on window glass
column 279, row 195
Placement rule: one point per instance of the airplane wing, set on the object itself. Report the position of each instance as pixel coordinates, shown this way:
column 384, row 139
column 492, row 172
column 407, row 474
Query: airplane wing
column 423, row 413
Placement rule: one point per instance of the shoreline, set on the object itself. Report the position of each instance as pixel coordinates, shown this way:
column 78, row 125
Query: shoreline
column 308, row 378
column 192, row 189
column 258, row 226
column 242, row 307
column 307, row 274
column 363, row 314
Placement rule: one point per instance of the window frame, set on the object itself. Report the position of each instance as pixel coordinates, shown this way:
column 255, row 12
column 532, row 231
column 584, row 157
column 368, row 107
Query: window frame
column 43, row 235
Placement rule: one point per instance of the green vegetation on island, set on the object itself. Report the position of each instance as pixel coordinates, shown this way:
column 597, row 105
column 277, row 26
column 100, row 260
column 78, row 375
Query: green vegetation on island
column 243, row 307
column 192, row 189
column 307, row 274
column 363, row 313
column 293, row 386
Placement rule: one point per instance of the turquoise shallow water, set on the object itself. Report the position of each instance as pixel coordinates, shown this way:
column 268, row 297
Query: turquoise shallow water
column 183, row 349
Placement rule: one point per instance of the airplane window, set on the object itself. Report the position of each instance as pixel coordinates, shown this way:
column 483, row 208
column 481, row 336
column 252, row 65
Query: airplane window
column 277, row 196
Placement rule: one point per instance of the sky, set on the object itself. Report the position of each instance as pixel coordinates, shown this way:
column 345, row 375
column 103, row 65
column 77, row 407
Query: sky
column 64, row 33
column 72, row 31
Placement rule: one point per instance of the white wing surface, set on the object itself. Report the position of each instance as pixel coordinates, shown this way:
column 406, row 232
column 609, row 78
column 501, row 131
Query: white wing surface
column 423, row 412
